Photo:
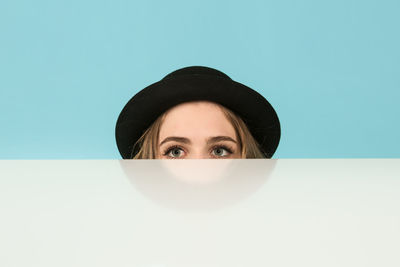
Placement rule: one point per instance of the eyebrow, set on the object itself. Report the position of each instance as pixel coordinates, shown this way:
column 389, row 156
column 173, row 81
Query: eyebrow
column 176, row 139
column 185, row 140
column 216, row 139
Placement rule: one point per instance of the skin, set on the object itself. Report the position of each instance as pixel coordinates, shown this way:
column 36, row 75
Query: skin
column 197, row 130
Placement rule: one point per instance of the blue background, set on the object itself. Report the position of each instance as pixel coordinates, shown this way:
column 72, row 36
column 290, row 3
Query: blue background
column 331, row 69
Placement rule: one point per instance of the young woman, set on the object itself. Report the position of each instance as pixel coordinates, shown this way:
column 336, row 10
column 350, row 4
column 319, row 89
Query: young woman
column 197, row 112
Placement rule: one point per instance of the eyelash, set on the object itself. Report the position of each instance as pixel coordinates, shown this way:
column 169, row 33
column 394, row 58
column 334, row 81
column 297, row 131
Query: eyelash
column 170, row 148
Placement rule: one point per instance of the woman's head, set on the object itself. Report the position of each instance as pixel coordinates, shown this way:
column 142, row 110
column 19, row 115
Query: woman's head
column 252, row 118
column 198, row 129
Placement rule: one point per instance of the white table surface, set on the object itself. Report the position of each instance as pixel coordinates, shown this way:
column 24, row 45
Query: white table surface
column 151, row 213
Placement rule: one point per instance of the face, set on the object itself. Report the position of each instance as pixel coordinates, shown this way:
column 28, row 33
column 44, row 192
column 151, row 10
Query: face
column 197, row 130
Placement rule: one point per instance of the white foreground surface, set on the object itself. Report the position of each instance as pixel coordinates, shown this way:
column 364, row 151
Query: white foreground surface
column 200, row 213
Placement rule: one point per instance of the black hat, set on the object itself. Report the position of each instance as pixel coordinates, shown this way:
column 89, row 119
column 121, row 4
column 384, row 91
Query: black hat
column 197, row 84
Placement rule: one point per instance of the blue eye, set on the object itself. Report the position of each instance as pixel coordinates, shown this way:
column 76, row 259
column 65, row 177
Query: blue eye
column 221, row 152
column 174, row 152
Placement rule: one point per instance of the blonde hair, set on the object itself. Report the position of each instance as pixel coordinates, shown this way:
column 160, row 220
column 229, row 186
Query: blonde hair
column 147, row 144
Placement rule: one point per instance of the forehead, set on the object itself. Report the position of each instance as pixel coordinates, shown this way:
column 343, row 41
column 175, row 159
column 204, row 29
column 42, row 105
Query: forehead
column 196, row 119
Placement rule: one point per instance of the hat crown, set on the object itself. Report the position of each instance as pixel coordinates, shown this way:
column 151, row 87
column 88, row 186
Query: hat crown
column 196, row 71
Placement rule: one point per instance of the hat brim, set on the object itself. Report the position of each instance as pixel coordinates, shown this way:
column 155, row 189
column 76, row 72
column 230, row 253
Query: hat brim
column 147, row 105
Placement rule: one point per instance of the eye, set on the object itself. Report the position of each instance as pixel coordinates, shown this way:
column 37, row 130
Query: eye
column 174, row 152
column 221, row 151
